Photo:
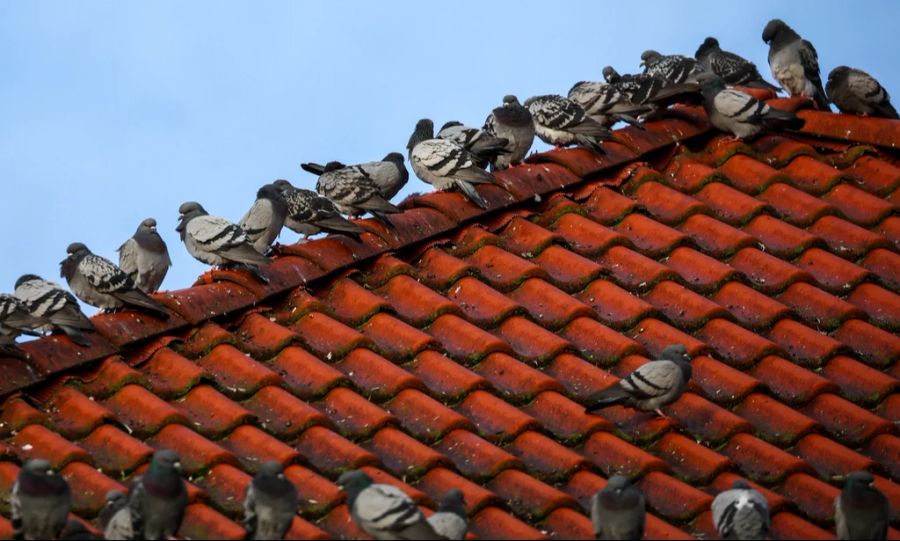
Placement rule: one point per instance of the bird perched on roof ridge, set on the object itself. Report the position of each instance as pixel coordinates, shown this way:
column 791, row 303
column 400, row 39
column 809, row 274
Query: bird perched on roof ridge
column 513, row 122
column 560, row 121
column 861, row 511
column 741, row 512
column 794, row 63
column 484, row 146
column 265, row 218
column 734, row 69
column 618, row 511
column 270, row 503
column 445, row 164
column 145, row 258
column 674, row 68
column 216, row 241
column 383, row 511
column 99, row 282
column 158, row 498
column 451, row 521
column 39, row 502
column 54, row 307
column 354, row 191
column 652, row 385
column 739, row 113
column 855, row 91
column 317, row 168
column 389, row 174
column 15, row 320
column 309, row 213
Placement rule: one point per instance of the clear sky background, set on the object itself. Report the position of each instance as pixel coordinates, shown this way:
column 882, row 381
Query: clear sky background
column 111, row 112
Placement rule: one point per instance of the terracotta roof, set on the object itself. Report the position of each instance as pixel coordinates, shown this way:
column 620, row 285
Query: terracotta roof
column 459, row 348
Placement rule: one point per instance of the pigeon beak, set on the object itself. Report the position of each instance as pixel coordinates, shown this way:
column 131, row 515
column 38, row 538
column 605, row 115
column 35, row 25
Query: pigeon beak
column 180, row 226
column 642, row 64
column 177, row 466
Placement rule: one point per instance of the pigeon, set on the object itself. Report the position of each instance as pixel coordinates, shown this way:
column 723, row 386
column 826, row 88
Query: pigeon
column 389, row 175
column 861, row 511
column 741, row 513
column 739, row 113
column 99, row 282
column 794, row 63
column 157, row 499
column 54, row 307
column 650, row 91
column 309, row 213
column 618, row 510
column 145, row 258
column 445, row 164
column 115, row 517
column 485, row 147
column 733, row 69
column 383, row 511
column 674, row 68
column 512, row 122
column 270, row 503
column 39, row 502
column 75, row 529
column 560, row 121
column 450, row 520
column 354, row 191
column 651, row 386
column 317, row 169
column 216, row 241
column 15, row 320
column 264, row 220
column 855, row 91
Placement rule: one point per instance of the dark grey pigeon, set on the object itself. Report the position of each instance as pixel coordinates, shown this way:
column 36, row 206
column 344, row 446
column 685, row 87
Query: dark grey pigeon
column 445, row 164
column 383, row 511
column 733, row 69
column 115, row 517
column 39, row 502
column 512, row 122
column 652, row 386
column 484, row 146
column 354, row 191
column 317, row 168
column 216, row 241
column 450, row 521
column 54, row 307
column 674, row 68
column 739, row 113
column 14, row 321
column 861, row 511
column 157, row 499
column 309, row 213
column 560, row 121
column 264, row 220
column 794, row 63
column 76, row 529
column 389, row 174
column 618, row 510
column 741, row 513
column 145, row 257
column 99, row 282
column 270, row 503
column 855, row 91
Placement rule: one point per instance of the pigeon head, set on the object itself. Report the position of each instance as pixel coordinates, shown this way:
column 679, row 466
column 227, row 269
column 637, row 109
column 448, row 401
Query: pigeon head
column 741, row 484
column 271, row 468
column 269, row 191
column 510, row 100
column 332, row 166
column 610, row 75
column 649, row 56
column 38, row 466
column 147, row 226
column 450, row 124
column 860, row 479
column 76, row 249
column 837, row 74
column 188, row 211
column 353, row 482
column 165, row 459
column 708, row 45
column 283, row 185
column 676, row 353
column 394, row 157
column 773, row 29
column 617, row 483
column 424, row 131
column 114, row 496
column 453, row 502
column 710, row 83
column 26, row 278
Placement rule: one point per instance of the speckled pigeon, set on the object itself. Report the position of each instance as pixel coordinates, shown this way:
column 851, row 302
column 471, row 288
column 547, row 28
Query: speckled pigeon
column 383, row 511
column 270, row 503
column 354, row 191
column 54, row 307
column 618, row 510
column 794, row 63
column 445, row 164
column 733, row 69
column 855, row 91
column 513, row 122
column 861, row 511
column 389, row 174
column 145, row 258
column 651, row 92
column 309, row 213
column 741, row 513
column 560, row 121
column 739, row 113
column 99, row 282
column 451, row 521
column 264, row 220
column 14, row 321
column 39, row 502
column 484, row 146
column 652, row 386
column 157, row 499
column 115, row 517
column 674, row 68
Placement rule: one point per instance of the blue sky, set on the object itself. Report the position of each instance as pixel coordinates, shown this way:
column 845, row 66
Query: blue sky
column 111, row 112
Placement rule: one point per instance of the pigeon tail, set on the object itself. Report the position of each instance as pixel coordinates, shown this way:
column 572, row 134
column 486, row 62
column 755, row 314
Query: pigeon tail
column 761, row 83
column 608, row 397
column 471, row 193
column 590, row 142
column 138, row 298
column 886, row 110
column 780, row 119
column 820, row 99
column 339, row 225
column 75, row 335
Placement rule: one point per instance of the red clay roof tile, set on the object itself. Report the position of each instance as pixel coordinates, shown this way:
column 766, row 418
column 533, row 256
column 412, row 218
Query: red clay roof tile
column 88, row 487
column 818, row 308
column 375, row 376
column 714, row 237
column 670, row 206
column 846, row 239
column 115, row 451
column 330, row 453
column 414, row 302
column 720, row 382
column 773, row 421
column 515, row 381
column 682, row 306
column 699, row 271
column 858, row 206
column 615, row 306
column 608, row 206
column 873, row 345
column 882, row 306
column 211, row 413
column 859, row 383
column 445, row 378
column 794, row 206
column 474, row 456
column 750, row 175
column 687, row 175
column 564, row 418
column 845, row 421
column 597, row 342
column 749, row 307
column 568, row 270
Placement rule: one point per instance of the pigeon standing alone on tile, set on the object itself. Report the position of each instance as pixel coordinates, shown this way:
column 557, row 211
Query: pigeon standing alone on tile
column 741, row 512
column 861, row 511
column 733, row 69
column 157, row 499
column 309, row 213
column 484, row 146
column 794, row 63
column 652, row 386
column 383, row 511
column 270, row 503
column 145, row 258
column 264, row 220
column 354, row 191
column 39, row 502
column 216, row 241
column 513, row 122
column 855, row 91
column 99, row 282
column 450, row 520
column 741, row 114
column 618, row 511
column 445, row 164
column 560, row 121
column 54, row 307
column 115, row 517
column 674, row 68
